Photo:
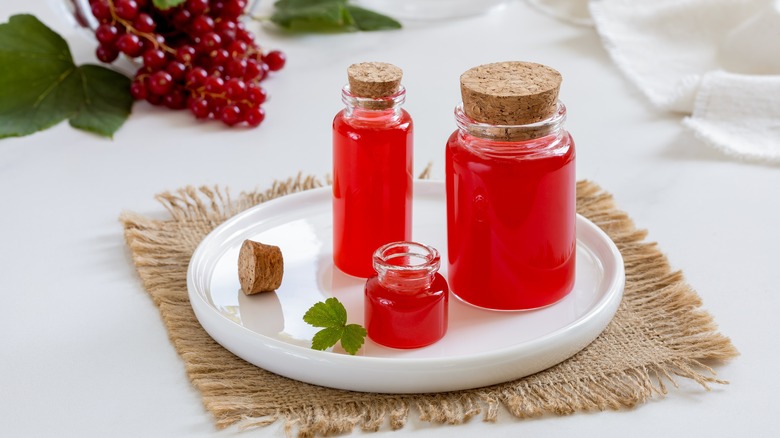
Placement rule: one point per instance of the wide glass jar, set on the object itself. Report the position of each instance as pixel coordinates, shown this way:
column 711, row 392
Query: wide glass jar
column 511, row 213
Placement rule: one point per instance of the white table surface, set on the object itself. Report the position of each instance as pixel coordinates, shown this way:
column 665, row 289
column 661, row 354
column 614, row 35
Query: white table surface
column 84, row 351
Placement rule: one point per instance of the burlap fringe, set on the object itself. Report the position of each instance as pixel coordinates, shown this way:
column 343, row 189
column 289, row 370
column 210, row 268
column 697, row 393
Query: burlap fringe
column 685, row 335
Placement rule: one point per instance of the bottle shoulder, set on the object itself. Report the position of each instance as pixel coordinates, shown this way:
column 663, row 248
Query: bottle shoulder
column 557, row 145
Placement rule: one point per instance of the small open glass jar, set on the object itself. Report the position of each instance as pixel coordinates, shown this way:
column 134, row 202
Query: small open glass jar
column 406, row 302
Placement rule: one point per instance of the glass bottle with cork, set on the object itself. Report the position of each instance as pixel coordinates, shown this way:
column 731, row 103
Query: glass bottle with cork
column 510, row 182
column 372, row 167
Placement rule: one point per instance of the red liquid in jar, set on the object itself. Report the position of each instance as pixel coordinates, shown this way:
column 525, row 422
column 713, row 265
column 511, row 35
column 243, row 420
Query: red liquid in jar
column 372, row 186
column 511, row 218
column 408, row 319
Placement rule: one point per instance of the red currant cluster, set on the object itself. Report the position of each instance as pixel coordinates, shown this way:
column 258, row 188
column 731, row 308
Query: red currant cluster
column 197, row 55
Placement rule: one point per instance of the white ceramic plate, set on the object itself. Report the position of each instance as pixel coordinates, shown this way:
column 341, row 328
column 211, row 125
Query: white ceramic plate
column 481, row 347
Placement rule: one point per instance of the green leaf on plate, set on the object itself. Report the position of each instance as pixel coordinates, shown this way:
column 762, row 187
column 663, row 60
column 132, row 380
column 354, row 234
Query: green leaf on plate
column 332, row 315
column 40, row 85
column 353, row 337
column 167, row 4
column 326, row 338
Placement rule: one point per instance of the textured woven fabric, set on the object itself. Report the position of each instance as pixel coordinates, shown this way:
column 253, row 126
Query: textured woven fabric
column 658, row 334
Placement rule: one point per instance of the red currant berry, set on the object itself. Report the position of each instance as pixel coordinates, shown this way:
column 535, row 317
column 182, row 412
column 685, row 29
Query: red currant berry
column 216, row 104
column 160, row 83
column 102, row 11
column 177, row 70
column 226, row 29
column 181, row 18
column 275, row 60
column 154, row 59
column 233, row 9
column 126, row 9
column 237, row 49
column 197, row 7
column 255, row 116
column 209, row 41
column 186, row 54
column 215, row 85
column 235, row 89
column 106, row 54
column 106, row 33
column 138, row 90
column 236, row 68
column 199, row 108
column 230, row 115
column 219, row 57
column 196, row 77
column 201, row 24
column 252, row 71
column 144, row 23
column 129, row 44
column 256, row 95
column 175, row 100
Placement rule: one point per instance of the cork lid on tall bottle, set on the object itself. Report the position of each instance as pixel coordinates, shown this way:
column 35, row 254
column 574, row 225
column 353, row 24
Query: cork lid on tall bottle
column 374, row 79
column 510, row 93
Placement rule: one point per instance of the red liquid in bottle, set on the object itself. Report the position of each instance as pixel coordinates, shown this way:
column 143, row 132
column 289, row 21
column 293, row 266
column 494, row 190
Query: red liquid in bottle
column 511, row 218
column 372, row 185
column 406, row 319
column 406, row 303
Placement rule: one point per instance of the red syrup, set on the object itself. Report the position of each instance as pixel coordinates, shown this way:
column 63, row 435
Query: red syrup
column 511, row 218
column 406, row 302
column 372, row 181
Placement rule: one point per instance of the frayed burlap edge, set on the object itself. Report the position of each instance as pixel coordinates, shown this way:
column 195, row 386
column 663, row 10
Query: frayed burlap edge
column 659, row 334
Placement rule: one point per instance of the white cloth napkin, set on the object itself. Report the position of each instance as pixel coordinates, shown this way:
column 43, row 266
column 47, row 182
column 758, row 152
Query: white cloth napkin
column 716, row 60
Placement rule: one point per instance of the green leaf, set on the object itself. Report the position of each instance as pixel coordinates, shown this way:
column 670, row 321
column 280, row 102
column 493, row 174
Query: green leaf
column 370, row 20
column 326, row 338
column 331, row 313
column 353, row 338
column 40, row 85
column 167, row 4
column 313, row 16
column 328, row 16
column 107, row 101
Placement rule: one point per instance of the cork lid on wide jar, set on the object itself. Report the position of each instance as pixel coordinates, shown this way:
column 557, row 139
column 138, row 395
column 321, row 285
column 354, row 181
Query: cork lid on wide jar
column 510, row 93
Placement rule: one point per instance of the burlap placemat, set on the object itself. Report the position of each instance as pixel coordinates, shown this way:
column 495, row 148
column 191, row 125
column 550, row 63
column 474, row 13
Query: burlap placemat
column 659, row 333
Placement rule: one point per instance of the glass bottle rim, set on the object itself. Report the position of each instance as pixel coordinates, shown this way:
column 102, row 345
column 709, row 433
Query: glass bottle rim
column 427, row 257
column 373, row 103
column 529, row 131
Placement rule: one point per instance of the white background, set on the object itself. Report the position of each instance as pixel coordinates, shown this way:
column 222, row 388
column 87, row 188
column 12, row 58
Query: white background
column 83, row 349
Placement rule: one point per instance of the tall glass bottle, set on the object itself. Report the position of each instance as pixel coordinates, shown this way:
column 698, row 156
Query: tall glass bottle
column 372, row 167
column 510, row 180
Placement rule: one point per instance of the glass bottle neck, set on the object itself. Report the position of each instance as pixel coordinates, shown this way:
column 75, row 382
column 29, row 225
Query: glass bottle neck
column 406, row 267
column 543, row 137
column 379, row 108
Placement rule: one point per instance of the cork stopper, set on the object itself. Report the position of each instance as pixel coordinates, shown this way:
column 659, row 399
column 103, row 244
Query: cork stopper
column 260, row 267
column 510, row 93
column 374, row 79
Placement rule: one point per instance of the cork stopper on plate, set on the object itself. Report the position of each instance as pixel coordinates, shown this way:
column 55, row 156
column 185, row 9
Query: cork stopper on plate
column 260, row 267
column 374, row 79
column 510, row 93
